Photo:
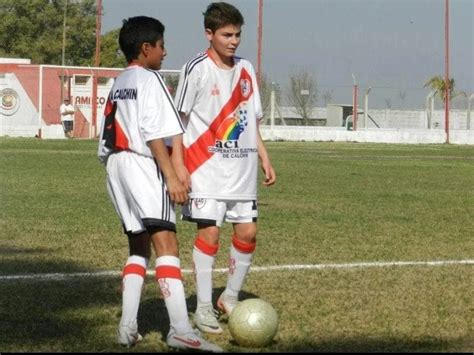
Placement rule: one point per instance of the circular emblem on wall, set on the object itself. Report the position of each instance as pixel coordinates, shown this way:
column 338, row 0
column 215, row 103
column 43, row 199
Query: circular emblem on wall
column 9, row 102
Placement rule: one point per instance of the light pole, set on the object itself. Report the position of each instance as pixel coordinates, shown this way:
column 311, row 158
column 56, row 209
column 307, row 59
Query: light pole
column 63, row 51
column 354, row 104
column 468, row 123
column 366, row 105
column 98, row 26
column 259, row 41
column 430, row 107
column 304, row 98
column 446, row 71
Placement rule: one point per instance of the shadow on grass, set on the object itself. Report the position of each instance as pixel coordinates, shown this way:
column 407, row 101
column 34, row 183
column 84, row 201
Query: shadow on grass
column 73, row 314
column 21, row 261
column 81, row 314
column 39, row 314
column 379, row 345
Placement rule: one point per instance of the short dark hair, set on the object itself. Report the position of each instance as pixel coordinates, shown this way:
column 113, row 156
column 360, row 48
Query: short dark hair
column 138, row 30
column 220, row 14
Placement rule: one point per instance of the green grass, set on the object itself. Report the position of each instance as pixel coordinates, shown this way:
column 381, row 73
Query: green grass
column 333, row 203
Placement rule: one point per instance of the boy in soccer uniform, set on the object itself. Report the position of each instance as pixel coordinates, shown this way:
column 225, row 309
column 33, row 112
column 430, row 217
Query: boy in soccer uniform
column 142, row 182
column 219, row 102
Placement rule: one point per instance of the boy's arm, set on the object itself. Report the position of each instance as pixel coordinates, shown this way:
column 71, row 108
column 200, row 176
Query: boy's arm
column 177, row 157
column 177, row 191
column 270, row 176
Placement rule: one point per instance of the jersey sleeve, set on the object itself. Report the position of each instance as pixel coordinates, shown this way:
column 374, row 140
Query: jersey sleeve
column 188, row 88
column 256, row 94
column 160, row 118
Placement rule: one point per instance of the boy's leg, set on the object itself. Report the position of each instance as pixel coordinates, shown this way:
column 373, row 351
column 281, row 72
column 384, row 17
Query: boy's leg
column 133, row 277
column 168, row 276
column 240, row 258
column 205, row 249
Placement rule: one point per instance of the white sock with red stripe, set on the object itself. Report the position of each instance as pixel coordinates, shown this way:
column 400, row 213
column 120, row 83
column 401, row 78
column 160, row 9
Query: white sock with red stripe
column 133, row 276
column 168, row 276
column 203, row 260
column 240, row 259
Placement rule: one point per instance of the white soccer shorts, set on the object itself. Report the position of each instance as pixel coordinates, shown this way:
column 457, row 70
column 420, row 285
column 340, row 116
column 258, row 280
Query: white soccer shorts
column 214, row 212
column 138, row 192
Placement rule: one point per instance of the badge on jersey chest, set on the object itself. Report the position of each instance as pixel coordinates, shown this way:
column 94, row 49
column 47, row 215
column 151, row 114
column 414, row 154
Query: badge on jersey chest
column 245, row 87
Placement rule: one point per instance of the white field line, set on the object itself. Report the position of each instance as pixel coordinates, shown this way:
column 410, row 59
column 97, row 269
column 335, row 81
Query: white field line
column 66, row 276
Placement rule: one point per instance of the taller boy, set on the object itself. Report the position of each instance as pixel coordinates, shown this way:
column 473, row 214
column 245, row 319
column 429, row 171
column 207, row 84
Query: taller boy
column 219, row 102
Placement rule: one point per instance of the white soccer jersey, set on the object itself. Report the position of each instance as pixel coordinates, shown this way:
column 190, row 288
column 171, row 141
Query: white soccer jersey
column 139, row 109
column 223, row 107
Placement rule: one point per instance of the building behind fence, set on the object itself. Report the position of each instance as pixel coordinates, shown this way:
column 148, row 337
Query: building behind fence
column 30, row 96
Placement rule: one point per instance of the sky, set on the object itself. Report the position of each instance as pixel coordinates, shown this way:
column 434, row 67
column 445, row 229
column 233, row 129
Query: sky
column 391, row 46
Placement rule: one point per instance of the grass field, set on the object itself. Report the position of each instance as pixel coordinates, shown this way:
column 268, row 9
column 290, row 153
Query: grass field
column 334, row 205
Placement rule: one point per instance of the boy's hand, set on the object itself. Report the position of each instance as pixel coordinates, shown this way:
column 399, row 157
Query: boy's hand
column 183, row 176
column 270, row 176
column 177, row 191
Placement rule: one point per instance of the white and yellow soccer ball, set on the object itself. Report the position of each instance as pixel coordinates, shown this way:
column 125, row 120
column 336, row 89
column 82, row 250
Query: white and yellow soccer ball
column 253, row 323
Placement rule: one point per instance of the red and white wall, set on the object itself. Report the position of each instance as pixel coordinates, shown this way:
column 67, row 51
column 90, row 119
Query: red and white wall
column 30, row 96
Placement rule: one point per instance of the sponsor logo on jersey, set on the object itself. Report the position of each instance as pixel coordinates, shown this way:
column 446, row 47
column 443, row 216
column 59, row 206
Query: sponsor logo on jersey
column 9, row 102
column 231, row 128
column 228, row 134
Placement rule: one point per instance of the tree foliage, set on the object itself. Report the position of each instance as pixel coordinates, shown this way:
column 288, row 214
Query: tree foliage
column 34, row 29
column 110, row 54
column 438, row 85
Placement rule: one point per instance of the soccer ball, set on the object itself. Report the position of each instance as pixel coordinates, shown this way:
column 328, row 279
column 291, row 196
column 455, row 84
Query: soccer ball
column 253, row 323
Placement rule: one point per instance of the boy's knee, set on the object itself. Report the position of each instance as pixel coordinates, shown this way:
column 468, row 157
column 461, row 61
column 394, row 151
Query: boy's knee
column 209, row 234
column 139, row 244
column 246, row 233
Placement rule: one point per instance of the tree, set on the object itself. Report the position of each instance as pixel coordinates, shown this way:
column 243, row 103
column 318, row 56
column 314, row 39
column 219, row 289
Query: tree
column 33, row 29
column 110, row 54
column 327, row 97
column 438, row 85
column 265, row 89
column 302, row 94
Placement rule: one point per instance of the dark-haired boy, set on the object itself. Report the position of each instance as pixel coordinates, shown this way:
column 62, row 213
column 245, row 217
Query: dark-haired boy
column 142, row 182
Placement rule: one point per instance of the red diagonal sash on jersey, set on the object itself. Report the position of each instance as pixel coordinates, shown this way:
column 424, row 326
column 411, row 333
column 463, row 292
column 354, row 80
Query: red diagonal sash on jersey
column 197, row 153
